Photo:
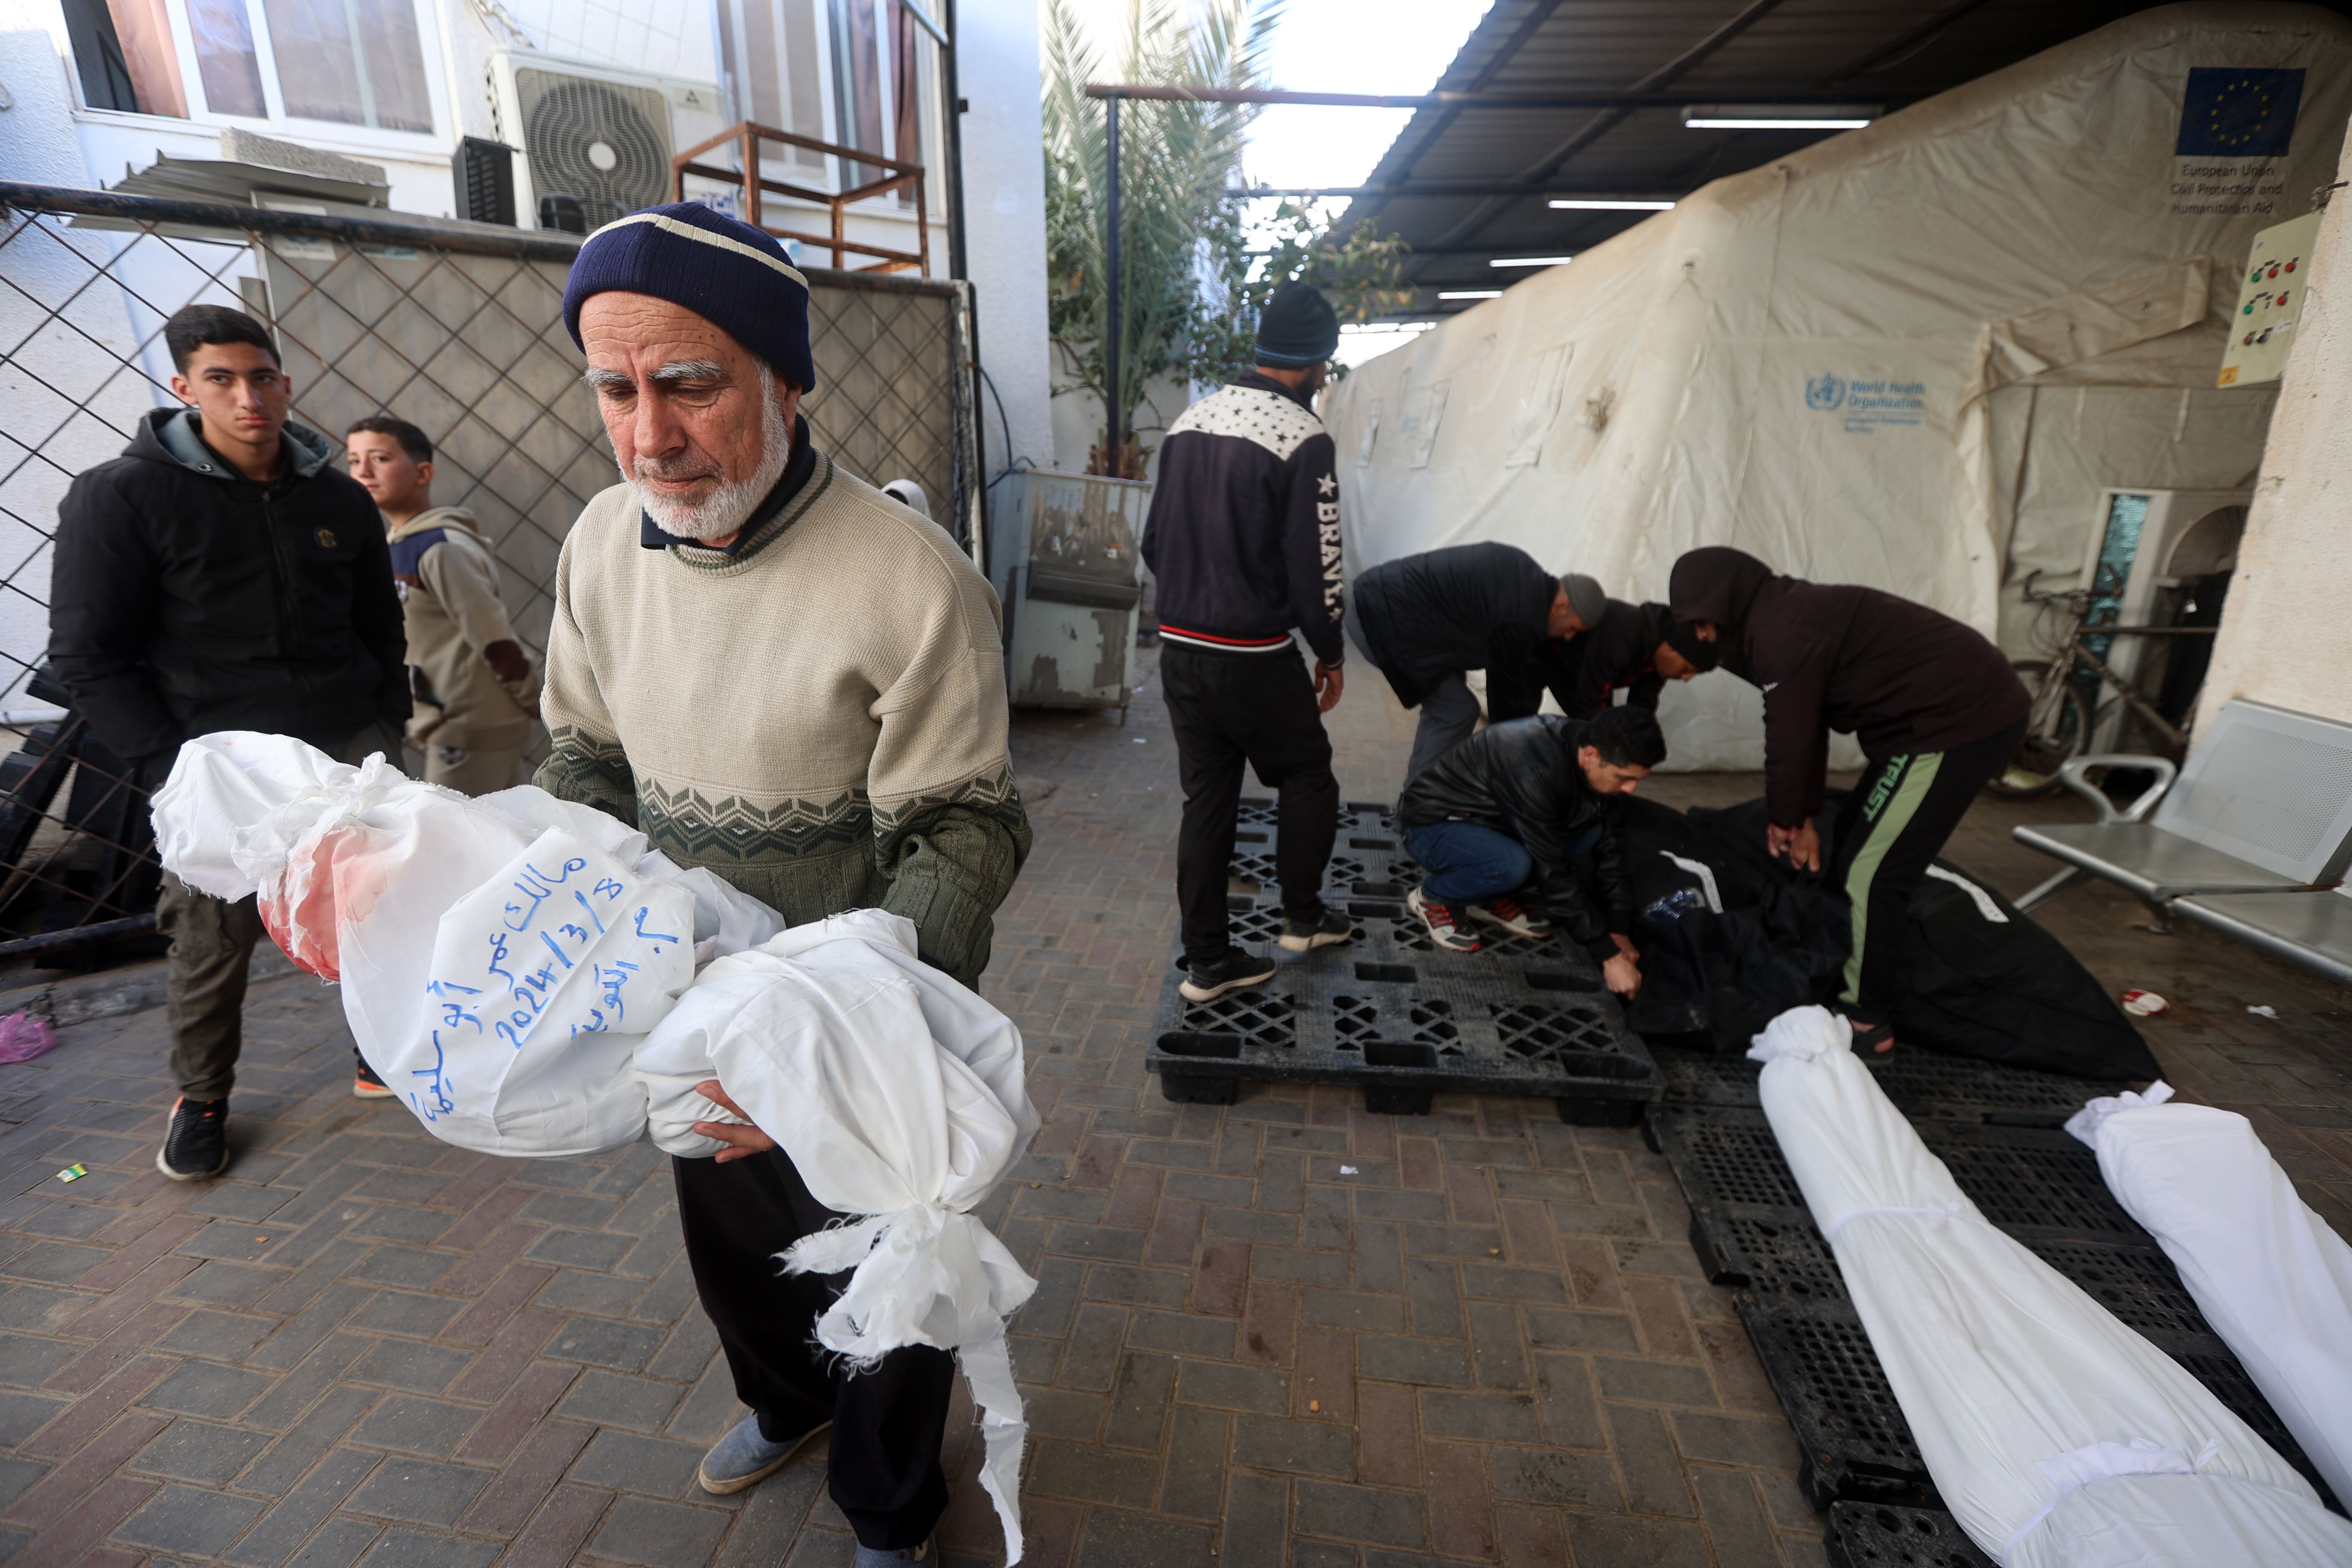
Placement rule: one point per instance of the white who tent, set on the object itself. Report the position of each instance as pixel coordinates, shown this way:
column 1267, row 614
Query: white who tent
column 1909, row 356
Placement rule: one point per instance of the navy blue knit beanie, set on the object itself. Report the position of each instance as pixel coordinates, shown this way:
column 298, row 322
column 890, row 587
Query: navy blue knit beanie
column 731, row 275
column 1298, row 329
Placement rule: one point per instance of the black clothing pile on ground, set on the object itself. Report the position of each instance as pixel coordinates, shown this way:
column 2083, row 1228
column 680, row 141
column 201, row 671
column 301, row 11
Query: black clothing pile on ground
column 1979, row 978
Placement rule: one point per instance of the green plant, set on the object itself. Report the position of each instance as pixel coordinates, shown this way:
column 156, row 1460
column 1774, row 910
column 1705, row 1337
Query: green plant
column 1193, row 276
column 1361, row 274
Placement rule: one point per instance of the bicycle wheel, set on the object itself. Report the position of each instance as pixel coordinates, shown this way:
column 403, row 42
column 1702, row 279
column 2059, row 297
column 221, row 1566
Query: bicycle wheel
column 2058, row 726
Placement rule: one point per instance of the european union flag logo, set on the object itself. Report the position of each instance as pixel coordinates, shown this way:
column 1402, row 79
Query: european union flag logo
column 2238, row 114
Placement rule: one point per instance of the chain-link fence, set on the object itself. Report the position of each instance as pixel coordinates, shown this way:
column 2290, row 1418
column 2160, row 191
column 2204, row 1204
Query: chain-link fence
column 457, row 329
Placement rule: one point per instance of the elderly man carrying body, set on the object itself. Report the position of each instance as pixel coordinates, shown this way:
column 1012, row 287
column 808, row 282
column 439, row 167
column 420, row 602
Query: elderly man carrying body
column 779, row 673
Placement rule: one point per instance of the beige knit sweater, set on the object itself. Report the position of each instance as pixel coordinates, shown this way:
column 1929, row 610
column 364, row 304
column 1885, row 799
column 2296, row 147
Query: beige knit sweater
column 819, row 719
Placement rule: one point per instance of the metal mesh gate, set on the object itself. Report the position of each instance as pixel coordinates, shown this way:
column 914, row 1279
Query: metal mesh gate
column 455, row 328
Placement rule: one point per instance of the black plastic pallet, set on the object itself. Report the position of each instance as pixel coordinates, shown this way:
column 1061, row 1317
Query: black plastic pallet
column 2029, row 1181
column 1751, row 1231
column 1874, row 1535
column 1855, row 1443
column 1404, row 1022
column 1923, row 1085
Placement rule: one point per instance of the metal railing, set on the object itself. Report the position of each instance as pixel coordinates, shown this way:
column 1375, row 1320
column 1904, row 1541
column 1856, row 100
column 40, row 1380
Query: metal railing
column 748, row 139
column 455, row 327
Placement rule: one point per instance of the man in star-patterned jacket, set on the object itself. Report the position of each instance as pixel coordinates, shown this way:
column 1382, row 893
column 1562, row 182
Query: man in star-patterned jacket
column 1244, row 543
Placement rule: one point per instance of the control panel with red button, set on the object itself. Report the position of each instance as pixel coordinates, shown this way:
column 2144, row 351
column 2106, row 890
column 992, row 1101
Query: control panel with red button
column 2269, row 301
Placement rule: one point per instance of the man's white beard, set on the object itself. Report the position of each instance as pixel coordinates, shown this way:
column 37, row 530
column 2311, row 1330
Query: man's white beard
column 723, row 511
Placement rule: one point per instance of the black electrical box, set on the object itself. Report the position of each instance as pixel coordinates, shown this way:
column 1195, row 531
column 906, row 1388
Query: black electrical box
column 559, row 211
column 484, row 171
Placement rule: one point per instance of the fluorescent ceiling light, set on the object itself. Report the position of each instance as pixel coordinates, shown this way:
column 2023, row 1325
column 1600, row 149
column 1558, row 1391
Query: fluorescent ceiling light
column 1712, row 124
column 1779, row 116
column 1531, row 261
column 1469, row 293
column 1586, row 204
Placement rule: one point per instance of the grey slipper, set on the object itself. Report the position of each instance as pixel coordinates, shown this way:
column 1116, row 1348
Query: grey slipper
column 743, row 1457
column 880, row 1557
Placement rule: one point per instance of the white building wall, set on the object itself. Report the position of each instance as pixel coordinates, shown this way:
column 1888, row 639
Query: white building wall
column 2285, row 637
column 1004, row 222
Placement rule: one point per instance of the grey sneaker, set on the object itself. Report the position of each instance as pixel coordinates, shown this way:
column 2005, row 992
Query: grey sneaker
column 875, row 1557
column 743, row 1457
column 1237, row 971
column 195, row 1146
column 1325, row 930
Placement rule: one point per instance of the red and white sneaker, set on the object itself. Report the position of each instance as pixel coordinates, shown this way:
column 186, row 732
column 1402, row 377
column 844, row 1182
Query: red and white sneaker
column 1508, row 914
column 1444, row 923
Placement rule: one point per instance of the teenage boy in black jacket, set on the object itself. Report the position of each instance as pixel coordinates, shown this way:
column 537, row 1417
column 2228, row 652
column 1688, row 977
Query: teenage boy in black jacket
column 1531, row 799
column 1244, row 543
column 222, row 574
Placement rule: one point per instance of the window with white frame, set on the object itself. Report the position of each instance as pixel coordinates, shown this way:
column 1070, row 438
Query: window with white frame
column 347, row 62
column 845, row 71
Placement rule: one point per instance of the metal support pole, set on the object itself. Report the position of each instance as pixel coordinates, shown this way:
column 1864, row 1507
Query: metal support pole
column 957, row 264
column 958, row 267
column 1114, row 415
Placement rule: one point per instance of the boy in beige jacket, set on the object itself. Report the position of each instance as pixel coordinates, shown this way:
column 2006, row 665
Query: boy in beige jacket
column 477, row 692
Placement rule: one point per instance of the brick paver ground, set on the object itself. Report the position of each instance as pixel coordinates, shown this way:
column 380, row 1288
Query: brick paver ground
column 1287, row 1332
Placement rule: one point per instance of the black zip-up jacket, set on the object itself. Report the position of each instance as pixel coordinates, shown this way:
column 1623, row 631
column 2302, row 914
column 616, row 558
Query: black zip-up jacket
column 1244, row 536
column 1585, row 671
column 1896, row 675
column 186, row 598
column 1520, row 778
column 1468, row 606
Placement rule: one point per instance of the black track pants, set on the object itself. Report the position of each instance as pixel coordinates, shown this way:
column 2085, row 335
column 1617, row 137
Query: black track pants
column 888, row 1423
column 1898, row 817
column 1258, row 708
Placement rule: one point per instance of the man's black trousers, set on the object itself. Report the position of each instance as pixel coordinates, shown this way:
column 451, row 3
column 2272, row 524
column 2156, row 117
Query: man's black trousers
column 1895, row 820
column 887, row 1423
column 1258, row 708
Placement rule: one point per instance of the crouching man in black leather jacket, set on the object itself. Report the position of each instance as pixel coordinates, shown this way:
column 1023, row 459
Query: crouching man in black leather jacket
column 1531, row 799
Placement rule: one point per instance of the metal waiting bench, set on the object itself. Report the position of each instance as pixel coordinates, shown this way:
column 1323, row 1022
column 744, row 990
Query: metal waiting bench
column 2251, row 839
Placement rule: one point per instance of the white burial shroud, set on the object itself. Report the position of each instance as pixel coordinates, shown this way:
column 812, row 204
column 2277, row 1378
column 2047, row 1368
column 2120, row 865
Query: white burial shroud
column 899, row 1096
column 522, row 971
column 2059, row 1437
column 2269, row 1276
column 499, row 958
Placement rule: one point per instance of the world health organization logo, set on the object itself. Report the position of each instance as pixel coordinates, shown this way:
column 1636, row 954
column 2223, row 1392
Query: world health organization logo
column 1825, row 392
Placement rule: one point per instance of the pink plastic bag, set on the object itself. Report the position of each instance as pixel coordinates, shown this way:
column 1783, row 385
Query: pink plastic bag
column 24, row 1036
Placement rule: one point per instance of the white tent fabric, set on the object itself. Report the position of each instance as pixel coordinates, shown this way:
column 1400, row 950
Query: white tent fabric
column 2269, row 1276
column 2058, row 1436
column 898, row 1095
column 1908, row 356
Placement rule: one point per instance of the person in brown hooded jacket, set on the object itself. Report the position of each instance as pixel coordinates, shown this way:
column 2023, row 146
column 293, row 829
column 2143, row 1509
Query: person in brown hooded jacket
column 1935, row 706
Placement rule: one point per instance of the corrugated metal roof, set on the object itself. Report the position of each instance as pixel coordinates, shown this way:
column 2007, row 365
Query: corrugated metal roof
column 1872, row 52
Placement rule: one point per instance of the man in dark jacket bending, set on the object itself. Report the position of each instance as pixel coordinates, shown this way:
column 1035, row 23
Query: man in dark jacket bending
column 1532, row 798
column 1634, row 648
column 1937, row 707
column 222, row 574
column 1243, row 541
column 1425, row 620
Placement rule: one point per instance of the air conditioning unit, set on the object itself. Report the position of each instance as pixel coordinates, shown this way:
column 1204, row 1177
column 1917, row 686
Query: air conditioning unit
column 601, row 136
